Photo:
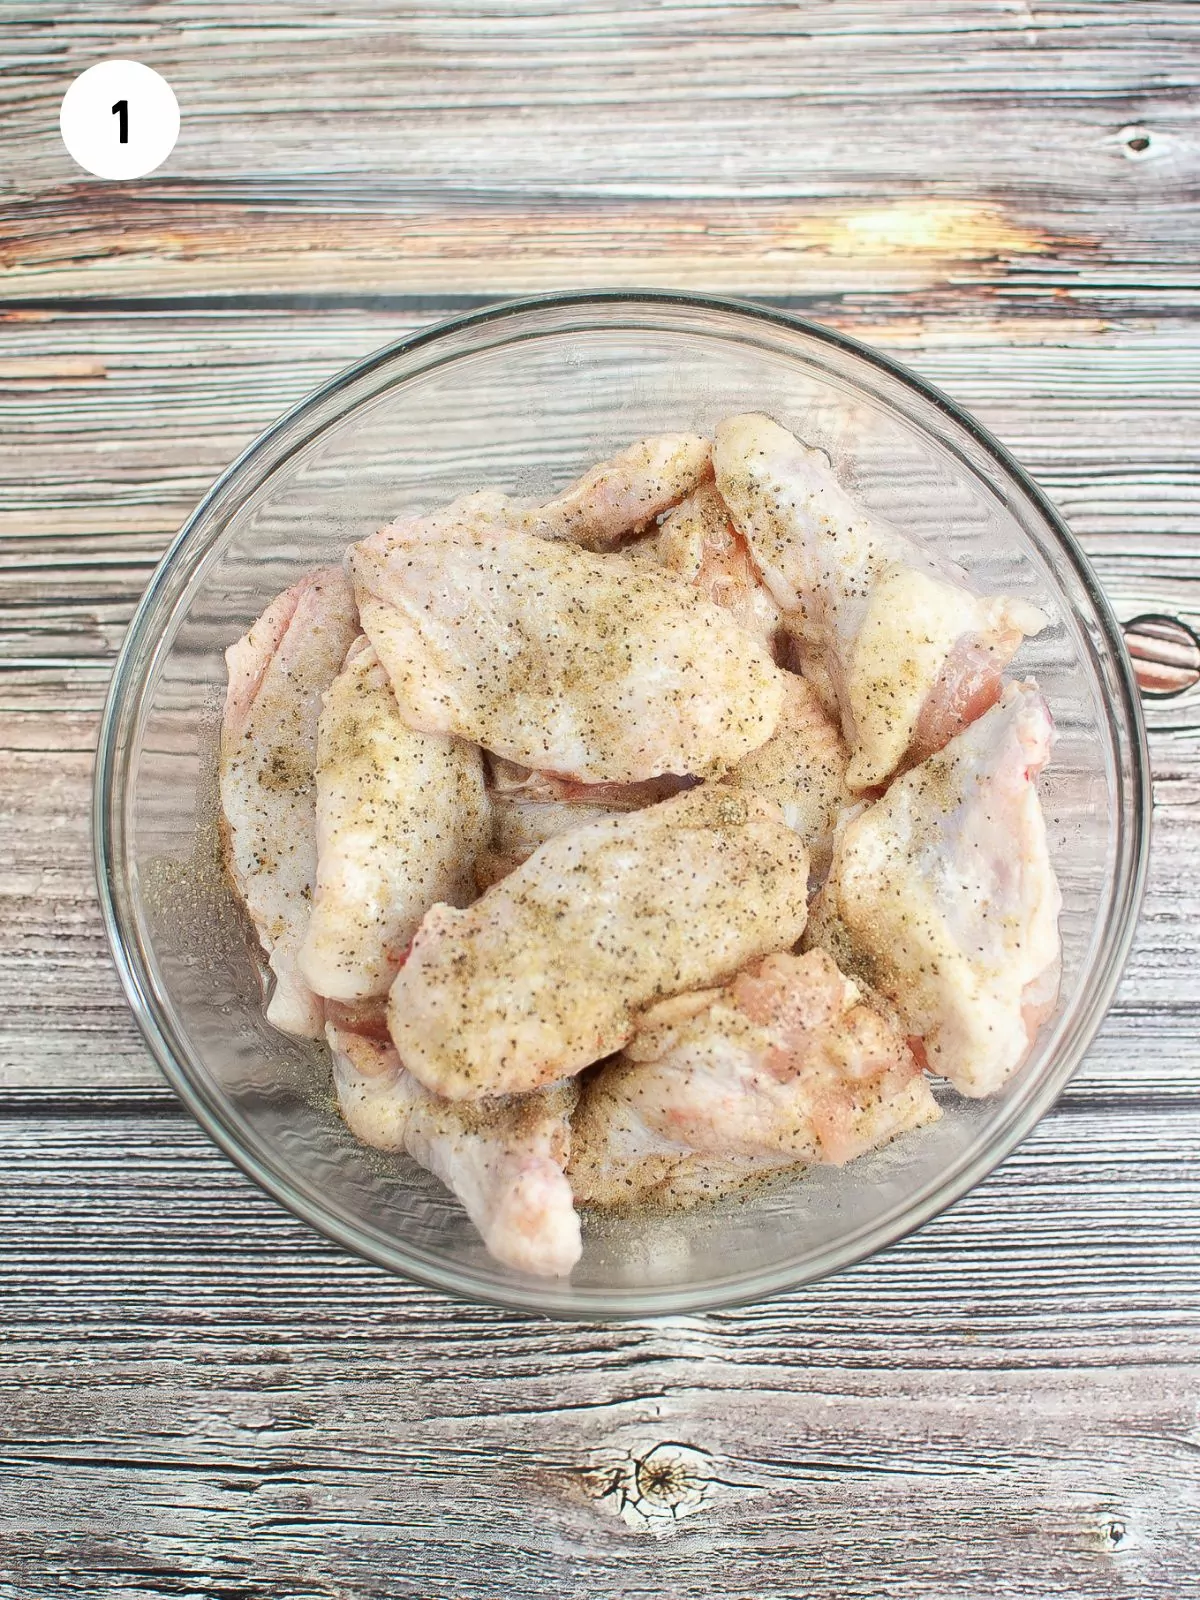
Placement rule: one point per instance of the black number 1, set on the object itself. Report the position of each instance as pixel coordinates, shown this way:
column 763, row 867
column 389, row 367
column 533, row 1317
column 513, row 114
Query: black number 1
column 121, row 111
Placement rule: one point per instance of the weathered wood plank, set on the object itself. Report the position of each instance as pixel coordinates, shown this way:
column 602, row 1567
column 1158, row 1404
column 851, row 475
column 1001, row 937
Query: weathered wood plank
column 757, row 147
column 1104, row 414
column 248, row 1498
column 1107, row 427
column 977, row 1387
column 90, row 1199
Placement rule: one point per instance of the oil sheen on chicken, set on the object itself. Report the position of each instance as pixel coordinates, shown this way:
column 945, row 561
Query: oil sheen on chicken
column 942, row 896
column 783, row 1067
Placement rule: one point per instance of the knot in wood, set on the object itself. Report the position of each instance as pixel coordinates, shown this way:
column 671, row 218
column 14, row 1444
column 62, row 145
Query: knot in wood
column 657, row 1487
column 1136, row 143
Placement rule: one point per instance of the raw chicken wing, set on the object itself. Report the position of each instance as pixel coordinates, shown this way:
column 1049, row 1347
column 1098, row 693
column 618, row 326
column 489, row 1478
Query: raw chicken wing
column 784, row 1066
column 519, row 827
column 527, row 808
column 504, row 1159
column 611, row 502
column 549, row 970
column 621, row 496
column 910, row 652
column 559, row 659
column 401, row 817
column 698, row 543
column 277, row 674
column 941, row 896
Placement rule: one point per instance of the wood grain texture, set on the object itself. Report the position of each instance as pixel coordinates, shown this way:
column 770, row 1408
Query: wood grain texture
column 1004, row 1405
column 752, row 147
column 197, row 1395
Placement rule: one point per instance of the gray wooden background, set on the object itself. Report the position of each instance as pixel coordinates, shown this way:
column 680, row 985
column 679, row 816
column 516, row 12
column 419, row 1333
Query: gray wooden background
column 197, row 1396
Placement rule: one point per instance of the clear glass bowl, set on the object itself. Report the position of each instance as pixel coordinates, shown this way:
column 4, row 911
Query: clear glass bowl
column 526, row 395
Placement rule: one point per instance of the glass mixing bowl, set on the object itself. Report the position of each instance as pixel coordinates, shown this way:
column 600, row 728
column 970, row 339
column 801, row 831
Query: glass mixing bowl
column 526, row 395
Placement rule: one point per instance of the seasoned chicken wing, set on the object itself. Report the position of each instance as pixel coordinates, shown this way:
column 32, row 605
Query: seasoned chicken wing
column 942, row 896
column 527, row 808
column 621, row 496
column 519, row 827
column 277, row 674
column 549, row 970
column 504, row 1159
column 401, row 818
column 698, row 543
column 911, row 654
column 784, row 1066
column 801, row 769
column 559, row 659
column 611, row 502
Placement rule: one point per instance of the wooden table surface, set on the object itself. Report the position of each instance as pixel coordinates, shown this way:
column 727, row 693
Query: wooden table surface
column 200, row 1397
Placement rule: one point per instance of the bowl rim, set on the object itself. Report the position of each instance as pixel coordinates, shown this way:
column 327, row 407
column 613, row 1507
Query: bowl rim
column 533, row 1296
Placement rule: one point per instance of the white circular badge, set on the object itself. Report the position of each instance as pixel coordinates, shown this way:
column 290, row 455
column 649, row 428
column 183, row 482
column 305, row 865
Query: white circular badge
column 119, row 119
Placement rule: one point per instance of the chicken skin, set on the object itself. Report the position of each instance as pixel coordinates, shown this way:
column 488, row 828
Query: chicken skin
column 613, row 501
column 559, row 659
column 801, row 769
column 401, row 818
column 785, row 1066
column 519, row 827
column 504, row 1159
column 895, row 634
column 620, row 497
column 698, row 543
column 550, row 969
column 278, row 672
column 527, row 808
column 942, row 897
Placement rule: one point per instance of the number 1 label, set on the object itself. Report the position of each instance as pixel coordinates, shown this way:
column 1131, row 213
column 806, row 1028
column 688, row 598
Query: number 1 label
column 119, row 119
